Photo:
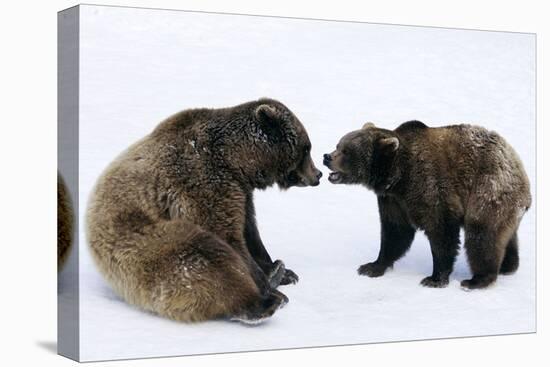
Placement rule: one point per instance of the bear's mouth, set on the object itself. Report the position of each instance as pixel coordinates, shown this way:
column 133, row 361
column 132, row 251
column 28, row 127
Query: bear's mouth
column 335, row 177
column 293, row 179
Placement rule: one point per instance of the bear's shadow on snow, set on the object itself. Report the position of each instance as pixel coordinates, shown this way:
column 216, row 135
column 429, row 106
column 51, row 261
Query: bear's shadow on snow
column 107, row 292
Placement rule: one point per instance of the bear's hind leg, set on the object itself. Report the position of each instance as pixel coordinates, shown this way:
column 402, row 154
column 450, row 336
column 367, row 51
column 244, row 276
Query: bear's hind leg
column 204, row 278
column 485, row 247
column 261, row 309
column 510, row 263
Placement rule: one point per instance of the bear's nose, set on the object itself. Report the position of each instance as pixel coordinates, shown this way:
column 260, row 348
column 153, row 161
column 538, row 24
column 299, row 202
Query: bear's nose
column 319, row 174
column 327, row 157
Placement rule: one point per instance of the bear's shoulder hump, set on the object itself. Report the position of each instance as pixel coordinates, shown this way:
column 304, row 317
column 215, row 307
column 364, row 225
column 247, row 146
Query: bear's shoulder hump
column 411, row 125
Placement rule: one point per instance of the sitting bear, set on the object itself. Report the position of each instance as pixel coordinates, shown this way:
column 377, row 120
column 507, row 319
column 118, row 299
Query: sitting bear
column 439, row 180
column 171, row 222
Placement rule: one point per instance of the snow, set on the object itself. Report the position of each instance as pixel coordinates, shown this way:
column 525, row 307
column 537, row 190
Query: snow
column 139, row 66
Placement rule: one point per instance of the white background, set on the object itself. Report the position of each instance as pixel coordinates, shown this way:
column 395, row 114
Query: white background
column 32, row 293
column 138, row 66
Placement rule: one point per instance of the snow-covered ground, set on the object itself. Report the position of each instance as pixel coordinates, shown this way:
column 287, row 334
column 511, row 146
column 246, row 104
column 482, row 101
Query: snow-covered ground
column 139, row 66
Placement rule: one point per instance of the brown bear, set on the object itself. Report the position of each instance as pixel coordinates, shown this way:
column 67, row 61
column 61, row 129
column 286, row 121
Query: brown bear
column 171, row 221
column 439, row 180
column 64, row 223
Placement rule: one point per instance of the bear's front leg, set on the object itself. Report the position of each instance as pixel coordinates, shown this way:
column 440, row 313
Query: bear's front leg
column 275, row 271
column 396, row 238
column 444, row 243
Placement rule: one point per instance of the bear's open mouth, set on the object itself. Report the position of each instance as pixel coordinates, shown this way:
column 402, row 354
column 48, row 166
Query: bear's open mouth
column 335, row 177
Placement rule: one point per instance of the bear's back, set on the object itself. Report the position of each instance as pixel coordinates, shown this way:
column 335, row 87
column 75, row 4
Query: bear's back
column 468, row 157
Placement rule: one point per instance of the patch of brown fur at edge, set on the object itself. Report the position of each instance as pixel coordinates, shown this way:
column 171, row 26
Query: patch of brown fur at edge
column 64, row 223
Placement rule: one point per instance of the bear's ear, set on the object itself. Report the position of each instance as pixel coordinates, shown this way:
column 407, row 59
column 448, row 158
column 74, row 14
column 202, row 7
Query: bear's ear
column 368, row 125
column 390, row 144
column 269, row 121
column 265, row 112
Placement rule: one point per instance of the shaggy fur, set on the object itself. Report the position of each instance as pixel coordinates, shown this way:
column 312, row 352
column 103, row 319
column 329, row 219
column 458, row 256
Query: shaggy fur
column 439, row 180
column 171, row 223
column 64, row 223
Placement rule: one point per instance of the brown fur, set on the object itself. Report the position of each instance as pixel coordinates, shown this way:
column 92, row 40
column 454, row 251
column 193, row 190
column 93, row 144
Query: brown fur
column 171, row 223
column 438, row 180
column 64, row 223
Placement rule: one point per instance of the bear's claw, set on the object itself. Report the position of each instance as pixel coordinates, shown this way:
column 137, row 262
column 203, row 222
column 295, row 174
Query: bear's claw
column 290, row 277
column 432, row 282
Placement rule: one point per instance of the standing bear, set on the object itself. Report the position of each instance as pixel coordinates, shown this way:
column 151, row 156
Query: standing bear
column 171, row 222
column 439, row 180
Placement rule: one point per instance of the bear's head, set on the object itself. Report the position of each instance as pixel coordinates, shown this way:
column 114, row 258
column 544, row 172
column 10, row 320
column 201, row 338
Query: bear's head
column 364, row 156
column 273, row 147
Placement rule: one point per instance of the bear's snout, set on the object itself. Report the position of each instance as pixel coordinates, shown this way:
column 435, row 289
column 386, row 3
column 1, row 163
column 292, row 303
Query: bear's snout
column 318, row 175
column 327, row 158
